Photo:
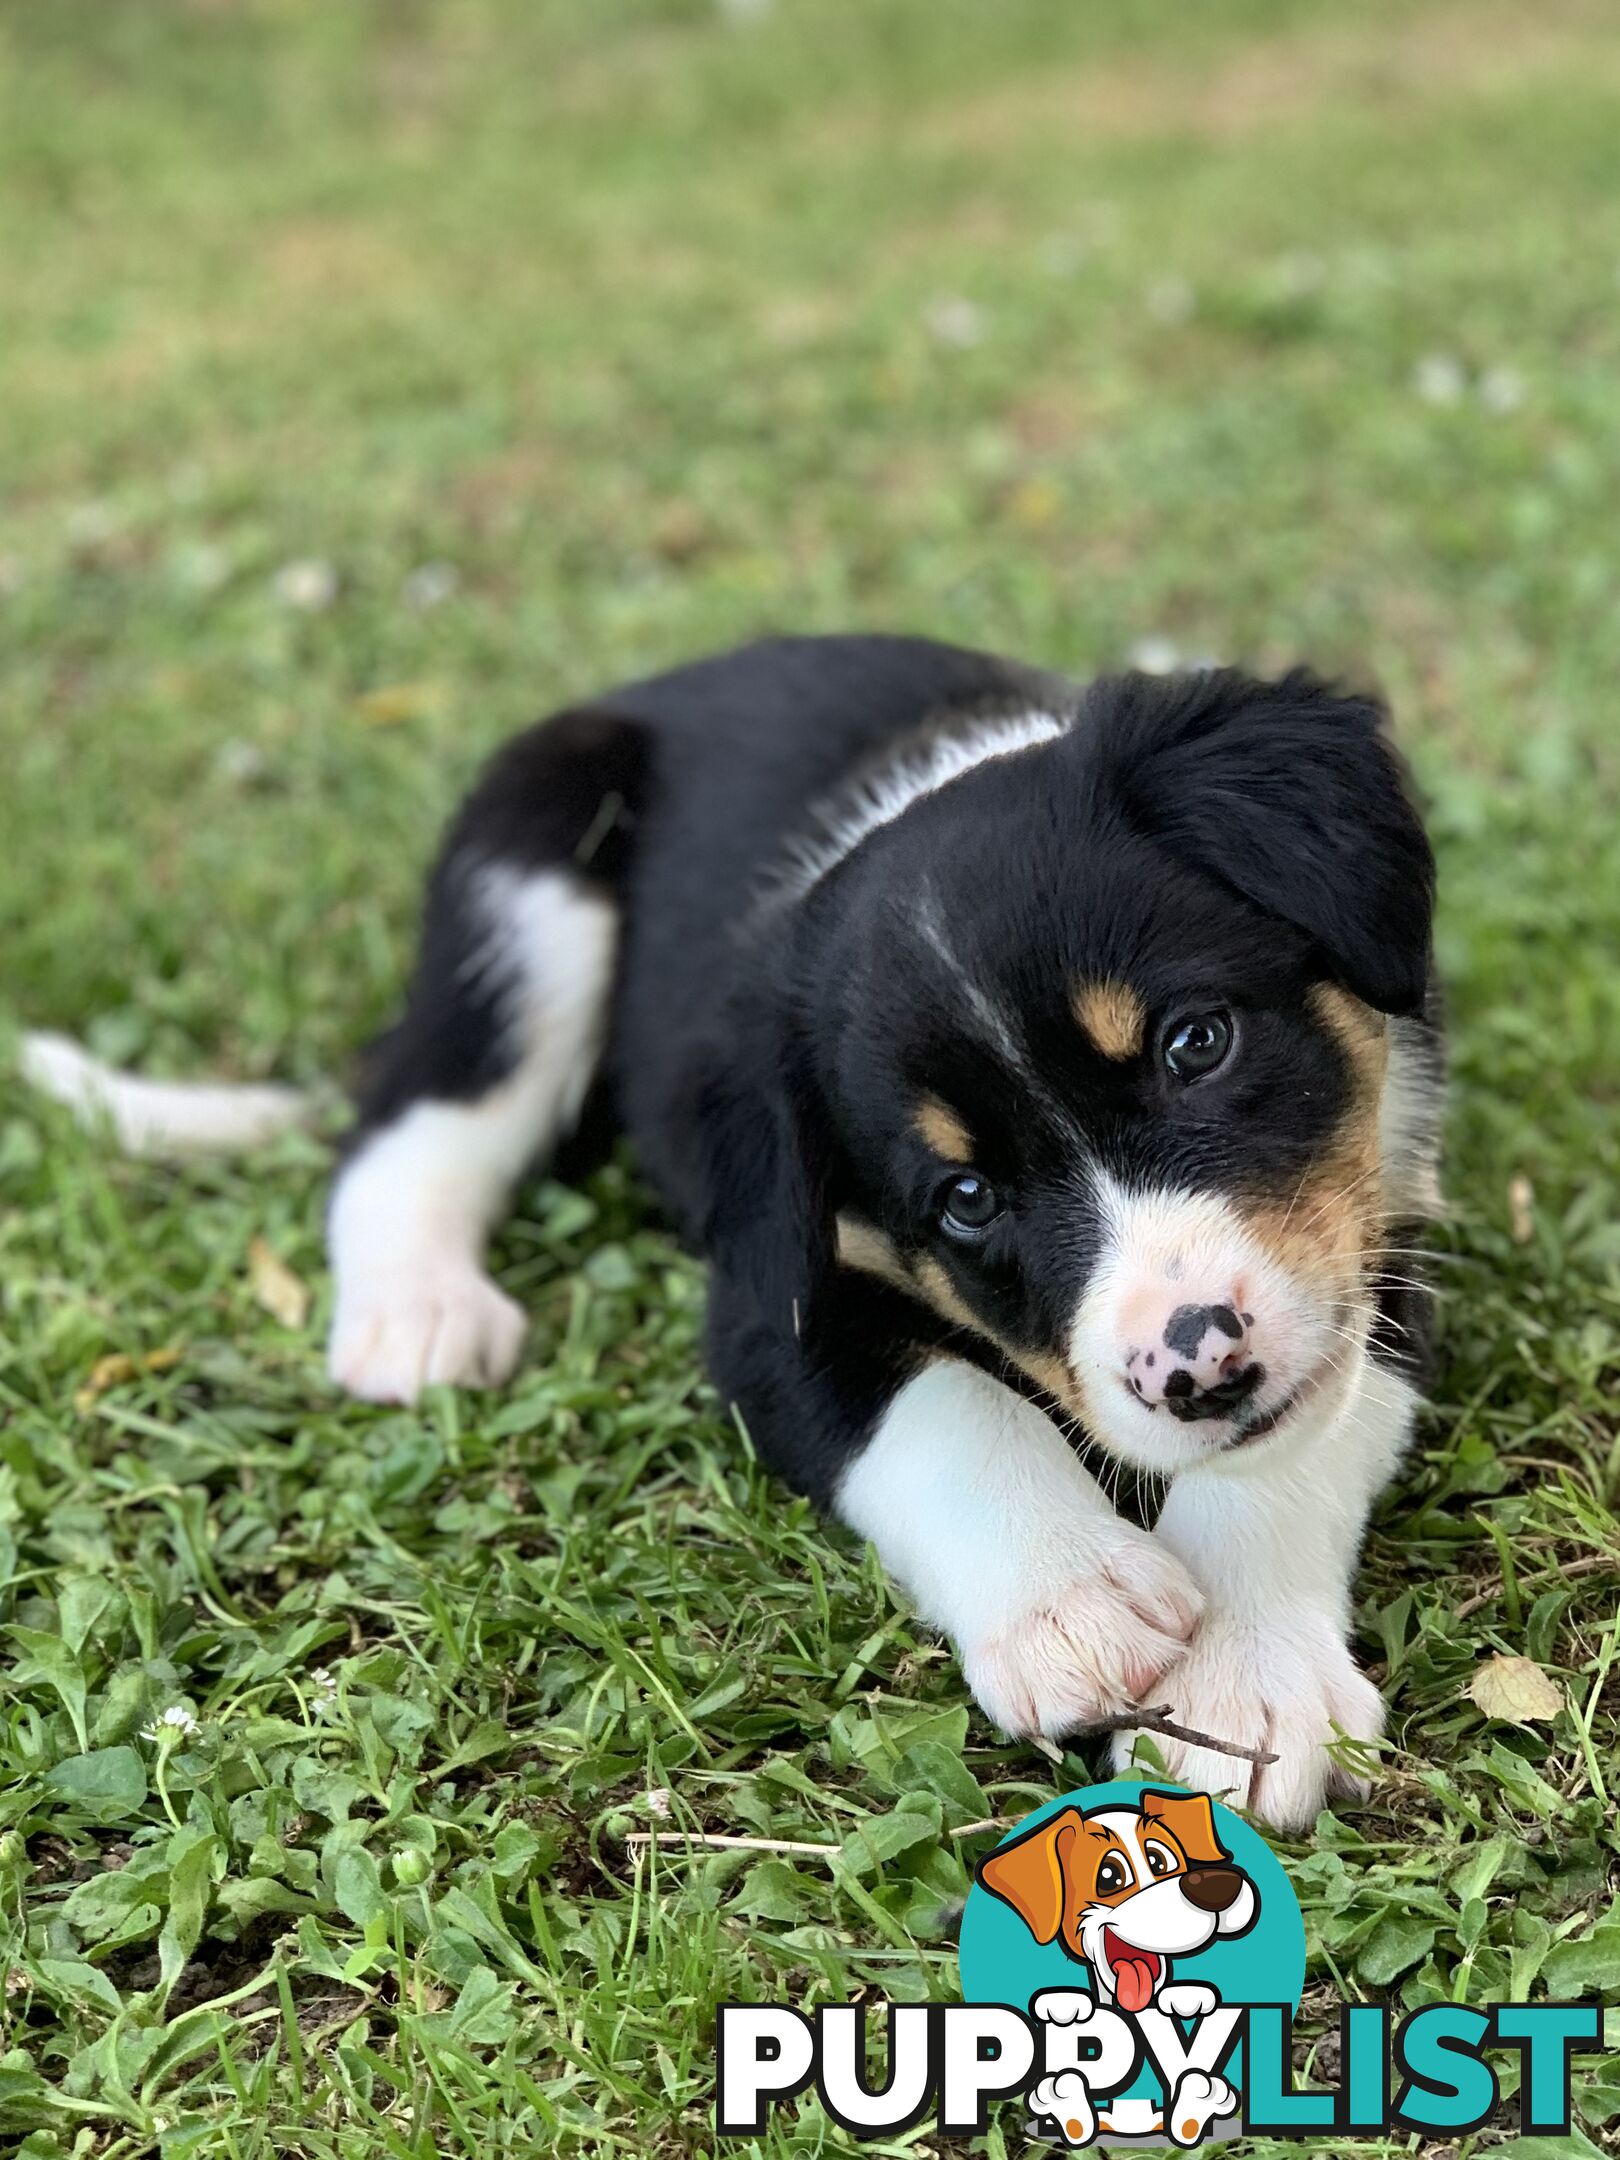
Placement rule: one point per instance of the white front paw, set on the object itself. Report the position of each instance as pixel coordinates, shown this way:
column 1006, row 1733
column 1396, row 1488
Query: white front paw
column 1288, row 1688
column 1201, row 2097
column 431, row 1323
column 1089, row 1648
column 1064, row 2099
column 1062, row 2006
column 1187, row 1999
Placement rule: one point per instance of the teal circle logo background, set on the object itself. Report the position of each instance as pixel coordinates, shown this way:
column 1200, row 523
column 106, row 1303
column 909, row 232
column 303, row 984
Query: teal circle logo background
column 1003, row 1963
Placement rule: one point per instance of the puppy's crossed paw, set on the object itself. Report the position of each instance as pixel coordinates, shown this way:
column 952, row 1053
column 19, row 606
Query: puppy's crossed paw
column 425, row 1326
column 1290, row 1689
column 1090, row 1648
column 1200, row 2098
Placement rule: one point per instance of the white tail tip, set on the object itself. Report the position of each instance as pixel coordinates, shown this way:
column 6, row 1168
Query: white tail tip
column 160, row 1118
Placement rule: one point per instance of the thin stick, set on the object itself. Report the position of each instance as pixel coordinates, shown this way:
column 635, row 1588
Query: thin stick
column 1157, row 1720
column 1160, row 1721
column 719, row 1840
column 716, row 1838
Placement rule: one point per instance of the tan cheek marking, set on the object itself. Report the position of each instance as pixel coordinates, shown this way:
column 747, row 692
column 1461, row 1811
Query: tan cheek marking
column 866, row 1249
column 943, row 1130
column 1114, row 1016
column 1045, row 1369
column 1323, row 1231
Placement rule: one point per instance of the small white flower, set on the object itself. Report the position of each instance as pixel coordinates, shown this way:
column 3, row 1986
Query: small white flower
column 956, row 322
column 1501, row 390
column 241, row 763
column 175, row 1723
column 306, row 584
column 1439, row 379
column 326, row 1692
column 430, row 585
column 1155, row 655
column 1171, row 300
column 657, row 1802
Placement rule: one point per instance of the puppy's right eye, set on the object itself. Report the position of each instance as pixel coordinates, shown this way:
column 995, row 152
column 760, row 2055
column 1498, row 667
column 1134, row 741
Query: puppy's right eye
column 1111, row 1876
column 968, row 1205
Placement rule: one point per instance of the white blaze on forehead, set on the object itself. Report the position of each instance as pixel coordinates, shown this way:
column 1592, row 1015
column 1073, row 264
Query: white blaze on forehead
column 842, row 822
column 1127, row 1827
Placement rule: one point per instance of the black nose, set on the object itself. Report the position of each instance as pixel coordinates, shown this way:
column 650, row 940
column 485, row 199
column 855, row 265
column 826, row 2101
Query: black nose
column 1212, row 1889
column 1188, row 1325
column 1184, row 1399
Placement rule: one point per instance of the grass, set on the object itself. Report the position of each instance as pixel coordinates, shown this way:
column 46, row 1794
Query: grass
column 1265, row 328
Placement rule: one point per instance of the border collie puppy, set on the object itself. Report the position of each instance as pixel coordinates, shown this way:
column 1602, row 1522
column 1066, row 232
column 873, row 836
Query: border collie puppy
column 1036, row 1065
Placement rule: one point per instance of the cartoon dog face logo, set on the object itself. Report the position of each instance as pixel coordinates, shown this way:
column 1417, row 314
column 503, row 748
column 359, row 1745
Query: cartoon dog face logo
column 1126, row 1889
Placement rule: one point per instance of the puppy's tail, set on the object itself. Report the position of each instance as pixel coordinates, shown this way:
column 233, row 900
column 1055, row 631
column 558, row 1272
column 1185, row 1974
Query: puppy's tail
column 162, row 1119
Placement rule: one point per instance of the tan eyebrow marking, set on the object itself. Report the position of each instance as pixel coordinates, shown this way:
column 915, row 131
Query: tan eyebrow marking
column 1113, row 1015
column 943, row 1130
column 1104, row 1837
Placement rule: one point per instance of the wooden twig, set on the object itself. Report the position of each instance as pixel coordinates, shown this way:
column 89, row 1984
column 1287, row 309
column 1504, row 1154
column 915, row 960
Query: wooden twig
column 1156, row 1720
column 721, row 1841
column 639, row 1839
column 1159, row 1720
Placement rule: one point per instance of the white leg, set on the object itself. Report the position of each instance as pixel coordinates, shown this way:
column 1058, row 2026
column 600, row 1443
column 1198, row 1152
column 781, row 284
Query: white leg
column 1061, row 1611
column 1272, row 1533
column 414, row 1205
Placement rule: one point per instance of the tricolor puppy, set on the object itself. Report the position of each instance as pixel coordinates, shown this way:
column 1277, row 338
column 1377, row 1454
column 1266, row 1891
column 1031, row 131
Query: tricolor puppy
column 1126, row 1890
column 1031, row 1061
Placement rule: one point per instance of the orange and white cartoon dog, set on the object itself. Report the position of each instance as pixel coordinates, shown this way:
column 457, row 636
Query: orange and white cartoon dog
column 1125, row 1890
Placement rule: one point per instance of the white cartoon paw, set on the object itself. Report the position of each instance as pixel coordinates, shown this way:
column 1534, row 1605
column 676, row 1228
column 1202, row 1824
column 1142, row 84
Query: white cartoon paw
column 1089, row 1649
column 1288, row 1690
column 1201, row 2097
column 1062, row 2006
column 434, row 1324
column 1063, row 2099
column 1188, row 1999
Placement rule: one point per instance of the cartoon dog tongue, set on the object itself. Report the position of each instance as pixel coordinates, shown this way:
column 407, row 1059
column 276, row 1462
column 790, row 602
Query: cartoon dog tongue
column 1134, row 1972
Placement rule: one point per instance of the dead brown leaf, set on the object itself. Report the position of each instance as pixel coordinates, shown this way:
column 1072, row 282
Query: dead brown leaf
column 281, row 1293
column 1515, row 1690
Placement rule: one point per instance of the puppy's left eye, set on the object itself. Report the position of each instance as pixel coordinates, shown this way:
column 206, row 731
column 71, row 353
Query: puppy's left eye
column 968, row 1206
column 1159, row 1861
column 1195, row 1046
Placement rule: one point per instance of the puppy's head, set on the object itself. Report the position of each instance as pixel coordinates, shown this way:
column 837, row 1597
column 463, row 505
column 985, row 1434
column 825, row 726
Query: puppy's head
column 1115, row 1048
column 1126, row 1888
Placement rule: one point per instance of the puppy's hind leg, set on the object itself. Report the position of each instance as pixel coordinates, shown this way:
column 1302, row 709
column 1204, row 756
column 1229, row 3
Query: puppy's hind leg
column 491, row 1063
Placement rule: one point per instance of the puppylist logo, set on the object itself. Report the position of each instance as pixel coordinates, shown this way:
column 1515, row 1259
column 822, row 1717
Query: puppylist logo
column 1132, row 1959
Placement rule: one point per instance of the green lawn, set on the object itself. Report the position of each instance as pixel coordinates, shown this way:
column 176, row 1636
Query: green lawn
column 542, row 344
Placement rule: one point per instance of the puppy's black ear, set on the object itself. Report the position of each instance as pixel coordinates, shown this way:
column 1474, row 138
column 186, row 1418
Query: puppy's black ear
column 1292, row 794
column 764, row 1212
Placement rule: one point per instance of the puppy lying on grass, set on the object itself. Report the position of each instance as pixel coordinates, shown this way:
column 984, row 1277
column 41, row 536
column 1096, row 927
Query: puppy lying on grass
column 1032, row 1063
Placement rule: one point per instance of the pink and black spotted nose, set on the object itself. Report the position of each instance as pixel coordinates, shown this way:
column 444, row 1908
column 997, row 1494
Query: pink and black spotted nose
column 1202, row 1365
